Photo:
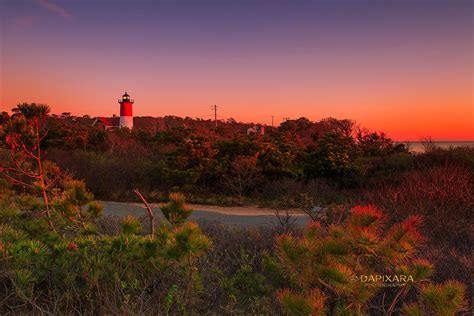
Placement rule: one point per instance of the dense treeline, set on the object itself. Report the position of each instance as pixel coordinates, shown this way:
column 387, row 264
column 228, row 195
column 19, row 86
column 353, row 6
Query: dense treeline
column 202, row 161
column 225, row 165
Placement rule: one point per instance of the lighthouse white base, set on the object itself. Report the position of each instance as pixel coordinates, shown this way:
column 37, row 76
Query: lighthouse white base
column 126, row 121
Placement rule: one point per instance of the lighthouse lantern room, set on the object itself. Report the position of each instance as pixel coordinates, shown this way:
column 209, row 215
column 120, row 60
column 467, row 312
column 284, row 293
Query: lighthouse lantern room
column 126, row 113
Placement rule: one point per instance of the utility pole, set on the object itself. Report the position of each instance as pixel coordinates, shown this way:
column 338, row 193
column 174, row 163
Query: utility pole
column 272, row 121
column 215, row 114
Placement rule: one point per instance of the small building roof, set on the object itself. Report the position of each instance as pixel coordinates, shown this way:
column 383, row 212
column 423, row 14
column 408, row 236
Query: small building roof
column 107, row 121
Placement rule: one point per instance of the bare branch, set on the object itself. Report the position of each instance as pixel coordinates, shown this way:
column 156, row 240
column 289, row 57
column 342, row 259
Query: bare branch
column 150, row 212
column 16, row 181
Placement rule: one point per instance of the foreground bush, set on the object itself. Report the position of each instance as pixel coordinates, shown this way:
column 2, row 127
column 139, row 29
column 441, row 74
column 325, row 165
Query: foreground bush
column 74, row 269
column 321, row 271
column 443, row 196
column 339, row 269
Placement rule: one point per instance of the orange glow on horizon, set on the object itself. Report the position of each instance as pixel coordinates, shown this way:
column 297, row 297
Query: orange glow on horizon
column 409, row 122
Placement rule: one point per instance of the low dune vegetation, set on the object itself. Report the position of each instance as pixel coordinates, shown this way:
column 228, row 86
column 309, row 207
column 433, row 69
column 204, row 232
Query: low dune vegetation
column 75, row 262
column 395, row 235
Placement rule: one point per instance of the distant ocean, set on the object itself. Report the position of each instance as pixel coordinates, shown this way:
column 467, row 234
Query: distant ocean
column 419, row 146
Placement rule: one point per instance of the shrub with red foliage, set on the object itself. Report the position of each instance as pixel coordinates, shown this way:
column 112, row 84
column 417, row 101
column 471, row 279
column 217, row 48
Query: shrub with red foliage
column 328, row 266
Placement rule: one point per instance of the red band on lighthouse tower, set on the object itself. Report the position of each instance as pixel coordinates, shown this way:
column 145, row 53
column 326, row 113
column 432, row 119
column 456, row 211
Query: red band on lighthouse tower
column 126, row 109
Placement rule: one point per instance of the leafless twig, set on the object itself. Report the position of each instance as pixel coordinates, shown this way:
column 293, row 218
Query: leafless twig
column 150, row 212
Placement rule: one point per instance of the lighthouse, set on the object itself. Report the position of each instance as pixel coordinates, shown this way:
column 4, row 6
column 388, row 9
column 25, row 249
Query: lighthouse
column 126, row 114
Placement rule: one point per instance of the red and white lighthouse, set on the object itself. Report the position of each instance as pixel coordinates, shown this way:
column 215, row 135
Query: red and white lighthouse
column 126, row 113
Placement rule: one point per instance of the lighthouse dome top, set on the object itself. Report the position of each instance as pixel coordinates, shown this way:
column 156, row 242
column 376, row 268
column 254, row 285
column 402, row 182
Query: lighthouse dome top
column 125, row 98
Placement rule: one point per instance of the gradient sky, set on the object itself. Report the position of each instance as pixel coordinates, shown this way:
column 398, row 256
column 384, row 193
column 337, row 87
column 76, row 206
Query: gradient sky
column 400, row 66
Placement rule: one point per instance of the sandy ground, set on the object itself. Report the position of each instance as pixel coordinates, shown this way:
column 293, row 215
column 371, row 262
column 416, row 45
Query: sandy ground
column 239, row 215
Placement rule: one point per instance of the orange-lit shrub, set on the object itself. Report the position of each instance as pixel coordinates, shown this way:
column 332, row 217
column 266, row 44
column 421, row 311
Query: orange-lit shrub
column 339, row 269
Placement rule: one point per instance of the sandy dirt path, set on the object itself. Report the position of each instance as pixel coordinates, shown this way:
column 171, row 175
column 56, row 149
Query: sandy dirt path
column 240, row 215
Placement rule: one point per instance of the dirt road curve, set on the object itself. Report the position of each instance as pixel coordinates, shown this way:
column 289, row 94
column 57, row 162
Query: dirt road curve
column 230, row 215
